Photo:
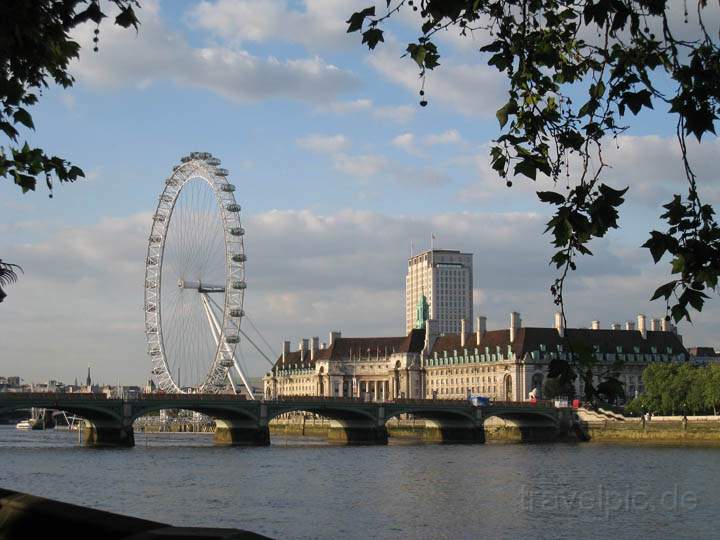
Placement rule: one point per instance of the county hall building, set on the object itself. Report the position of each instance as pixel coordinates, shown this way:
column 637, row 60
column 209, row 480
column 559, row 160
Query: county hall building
column 431, row 361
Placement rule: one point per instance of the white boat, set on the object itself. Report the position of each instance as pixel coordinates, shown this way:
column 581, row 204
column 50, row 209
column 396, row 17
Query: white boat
column 25, row 424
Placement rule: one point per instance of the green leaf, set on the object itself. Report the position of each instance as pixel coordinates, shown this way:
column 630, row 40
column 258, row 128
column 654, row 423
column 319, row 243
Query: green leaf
column 127, row 18
column 372, row 37
column 357, row 19
column 526, row 167
column 657, row 244
column 551, row 197
column 664, row 291
column 22, row 116
column 502, row 116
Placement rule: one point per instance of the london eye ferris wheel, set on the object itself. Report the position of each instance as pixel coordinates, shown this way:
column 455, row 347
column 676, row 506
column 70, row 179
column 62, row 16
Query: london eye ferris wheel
column 195, row 281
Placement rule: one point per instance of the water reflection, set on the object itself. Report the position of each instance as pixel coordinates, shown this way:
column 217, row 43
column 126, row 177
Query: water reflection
column 305, row 488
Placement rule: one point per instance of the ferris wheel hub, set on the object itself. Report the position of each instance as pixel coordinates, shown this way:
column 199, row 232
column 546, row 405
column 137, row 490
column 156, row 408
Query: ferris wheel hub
column 200, row 287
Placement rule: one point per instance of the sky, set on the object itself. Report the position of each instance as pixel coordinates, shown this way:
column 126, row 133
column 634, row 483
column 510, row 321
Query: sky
column 338, row 169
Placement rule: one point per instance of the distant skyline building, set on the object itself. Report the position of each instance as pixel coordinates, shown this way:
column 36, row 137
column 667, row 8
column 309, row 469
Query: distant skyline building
column 443, row 279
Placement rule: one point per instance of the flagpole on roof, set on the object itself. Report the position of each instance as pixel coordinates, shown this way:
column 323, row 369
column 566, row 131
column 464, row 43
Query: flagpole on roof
column 432, row 241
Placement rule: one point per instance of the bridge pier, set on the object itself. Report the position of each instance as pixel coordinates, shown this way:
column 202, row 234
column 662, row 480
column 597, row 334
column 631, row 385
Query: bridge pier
column 452, row 433
column 240, row 433
column 100, row 434
column 357, row 433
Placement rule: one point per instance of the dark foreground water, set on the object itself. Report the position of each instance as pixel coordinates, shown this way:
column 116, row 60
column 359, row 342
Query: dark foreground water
column 296, row 489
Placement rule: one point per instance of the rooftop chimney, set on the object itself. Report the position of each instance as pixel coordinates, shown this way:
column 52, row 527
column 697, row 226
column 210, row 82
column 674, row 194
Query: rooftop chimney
column 515, row 322
column 655, row 325
column 314, row 346
column 462, row 333
column 616, row 326
column 665, row 325
column 629, row 325
column 480, row 328
column 303, row 345
column 595, row 325
column 335, row 334
column 286, row 350
column 641, row 325
column 559, row 324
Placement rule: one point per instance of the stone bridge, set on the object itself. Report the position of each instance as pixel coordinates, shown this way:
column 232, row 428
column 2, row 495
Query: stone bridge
column 109, row 422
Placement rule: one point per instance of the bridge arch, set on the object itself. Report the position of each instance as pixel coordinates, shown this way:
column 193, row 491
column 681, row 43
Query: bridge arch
column 87, row 412
column 350, row 423
column 213, row 411
column 521, row 425
column 440, row 424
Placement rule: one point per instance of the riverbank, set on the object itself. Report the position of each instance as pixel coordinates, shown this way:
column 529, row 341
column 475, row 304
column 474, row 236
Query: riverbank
column 496, row 430
column 693, row 430
column 671, row 430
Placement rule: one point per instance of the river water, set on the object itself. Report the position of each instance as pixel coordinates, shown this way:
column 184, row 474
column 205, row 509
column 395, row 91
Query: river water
column 301, row 488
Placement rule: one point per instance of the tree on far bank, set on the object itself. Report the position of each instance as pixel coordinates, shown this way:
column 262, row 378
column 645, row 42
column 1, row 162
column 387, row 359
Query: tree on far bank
column 675, row 389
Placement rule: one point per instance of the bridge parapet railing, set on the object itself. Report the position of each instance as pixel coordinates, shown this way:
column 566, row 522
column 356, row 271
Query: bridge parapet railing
column 524, row 404
column 192, row 397
column 446, row 402
column 57, row 396
column 316, row 399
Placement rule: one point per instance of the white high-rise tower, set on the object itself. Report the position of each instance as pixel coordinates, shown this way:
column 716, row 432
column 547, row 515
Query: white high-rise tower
column 445, row 278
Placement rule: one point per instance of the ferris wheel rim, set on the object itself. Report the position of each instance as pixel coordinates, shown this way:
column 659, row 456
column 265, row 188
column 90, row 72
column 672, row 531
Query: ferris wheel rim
column 204, row 167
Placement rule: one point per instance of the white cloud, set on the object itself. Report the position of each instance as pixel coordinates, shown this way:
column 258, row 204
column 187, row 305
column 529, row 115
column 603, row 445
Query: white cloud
column 471, row 89
column 450, row 136
column 326, row 144
column 68, row 100
column 400, row 113
column 352, row 106
column 393, row 113
column 320, row 25
column 367, row 167
column 406, row 141
column 361, row 165
column 410, row 144
column 157, row 54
